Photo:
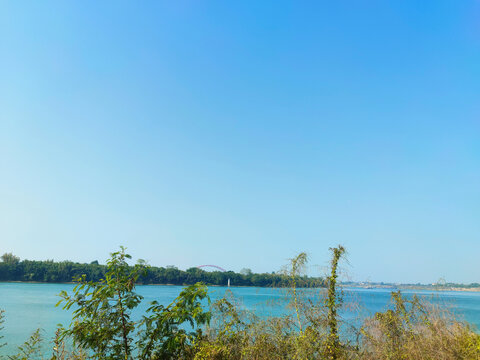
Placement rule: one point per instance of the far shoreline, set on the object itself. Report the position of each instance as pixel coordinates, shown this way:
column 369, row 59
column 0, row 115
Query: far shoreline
column 411, row 287
column 345, row 286
column 183, row 285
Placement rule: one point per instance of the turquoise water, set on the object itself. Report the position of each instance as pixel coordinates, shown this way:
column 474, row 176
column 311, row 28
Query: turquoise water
column 31, row 306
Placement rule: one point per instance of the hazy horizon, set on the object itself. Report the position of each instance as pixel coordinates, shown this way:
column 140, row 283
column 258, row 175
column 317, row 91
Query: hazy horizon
column 240, row 134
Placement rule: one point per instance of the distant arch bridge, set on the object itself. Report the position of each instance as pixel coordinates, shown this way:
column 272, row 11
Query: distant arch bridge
column 212, row 266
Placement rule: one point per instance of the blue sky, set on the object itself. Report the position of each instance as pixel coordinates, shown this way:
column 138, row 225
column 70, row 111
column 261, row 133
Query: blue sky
column 241, row 133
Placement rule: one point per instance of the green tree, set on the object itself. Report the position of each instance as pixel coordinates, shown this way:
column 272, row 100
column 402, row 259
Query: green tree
column 9, row 258
column 102, row 320
column 246, row 272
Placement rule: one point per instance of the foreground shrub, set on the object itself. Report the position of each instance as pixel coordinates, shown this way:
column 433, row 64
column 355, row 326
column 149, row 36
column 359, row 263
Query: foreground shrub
column 102, row 323
column 417, row 330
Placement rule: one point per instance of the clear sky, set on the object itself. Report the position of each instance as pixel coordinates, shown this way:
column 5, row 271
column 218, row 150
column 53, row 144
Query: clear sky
column 239, row 133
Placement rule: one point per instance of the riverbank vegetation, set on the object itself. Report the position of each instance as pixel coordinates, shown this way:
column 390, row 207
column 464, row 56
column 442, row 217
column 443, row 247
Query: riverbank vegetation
column 193, row 328
column 12, row 269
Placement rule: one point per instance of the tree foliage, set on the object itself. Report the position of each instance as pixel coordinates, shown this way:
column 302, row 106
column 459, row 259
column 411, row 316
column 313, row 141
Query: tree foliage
column 10, row 259
column 102, row 318
column 66, row 271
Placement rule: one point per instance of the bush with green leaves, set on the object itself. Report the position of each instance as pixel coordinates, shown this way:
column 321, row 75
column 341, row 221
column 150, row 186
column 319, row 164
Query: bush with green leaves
column 102, row 316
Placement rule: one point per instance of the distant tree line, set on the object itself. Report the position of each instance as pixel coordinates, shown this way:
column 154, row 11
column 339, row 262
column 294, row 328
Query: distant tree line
column 14, row 269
